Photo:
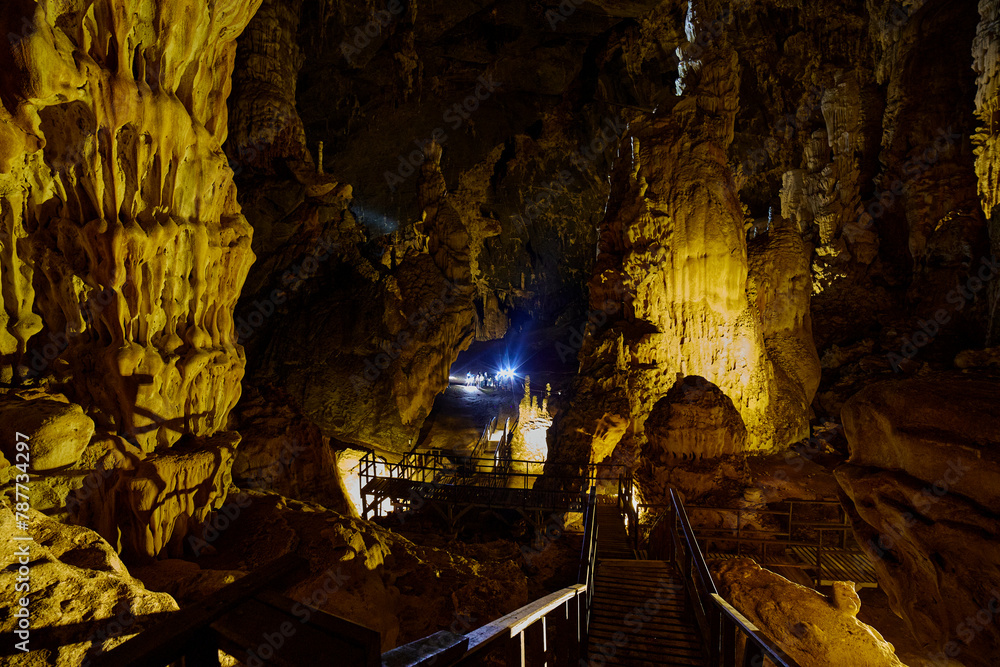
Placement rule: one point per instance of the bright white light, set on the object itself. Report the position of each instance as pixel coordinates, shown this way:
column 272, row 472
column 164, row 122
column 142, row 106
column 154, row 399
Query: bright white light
column 506, row 374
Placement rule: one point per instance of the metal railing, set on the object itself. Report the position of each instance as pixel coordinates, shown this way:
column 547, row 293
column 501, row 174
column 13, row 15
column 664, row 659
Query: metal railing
column 487, row 434
column 807, row 524
column 430, row 469
column 552, row 630
column 627, row 508
column 723, row 629
column 588, row 552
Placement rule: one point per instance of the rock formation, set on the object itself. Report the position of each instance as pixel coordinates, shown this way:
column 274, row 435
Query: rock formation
column 672, row 275
column 131, row 244
column 922, row 487
column 780, row 287
column 693, row 419
column 694, row 201
column 125, row 249
column 58, row 430
column 373, row 380
column 987, row 68
column 285, row 453
column 83, row 600
column 366, row 573
column 148, row 510
column 815, row 630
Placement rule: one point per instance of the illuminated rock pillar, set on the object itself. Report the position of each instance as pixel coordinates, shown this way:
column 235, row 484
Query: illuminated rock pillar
column 673, row 253
column 124, row 249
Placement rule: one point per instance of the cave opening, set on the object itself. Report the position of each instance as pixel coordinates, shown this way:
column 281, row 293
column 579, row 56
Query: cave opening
column 608, row 332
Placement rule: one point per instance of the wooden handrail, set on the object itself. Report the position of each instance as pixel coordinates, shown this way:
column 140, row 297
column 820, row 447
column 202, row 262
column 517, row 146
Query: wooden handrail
column 523, row 634
column 187, row 632
column 718, row 621
column 758, row 645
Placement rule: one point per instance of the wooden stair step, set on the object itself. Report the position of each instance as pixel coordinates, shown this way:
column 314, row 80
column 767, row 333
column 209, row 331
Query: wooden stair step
column 612, row 594
column 654, row 638
column 600, row 659
column 675, row 646
column 663, row 626
column 665, row 579
column 625, row 607
column 668, row 622
column 630, row 648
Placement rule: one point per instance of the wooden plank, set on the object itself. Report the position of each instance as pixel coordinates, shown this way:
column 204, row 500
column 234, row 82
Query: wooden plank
column 513, row 623
column 640, row 595
column 369, row 640
column 691, row 641
column 664, row 627
column 642, row 584
column 614, row 616
column 633, row 654
column 255, row 629
column 664, row 582
column 641, row 645
column 166, row 642
column 440, row 648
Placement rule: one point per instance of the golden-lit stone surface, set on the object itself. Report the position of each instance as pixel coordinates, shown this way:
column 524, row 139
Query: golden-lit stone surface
column 81, row 593
column 694, row 419
column 124, row 235
column 364, row 572
column 985, row 50
column 127, row 244
column 779, row 286
column 697, row 179
column 147, row 510
column 58, row 431
column 673, row 270
column 924, row 484
column 815, row 630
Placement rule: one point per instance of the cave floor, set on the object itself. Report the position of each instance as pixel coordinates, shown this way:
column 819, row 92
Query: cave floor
column 461, row 412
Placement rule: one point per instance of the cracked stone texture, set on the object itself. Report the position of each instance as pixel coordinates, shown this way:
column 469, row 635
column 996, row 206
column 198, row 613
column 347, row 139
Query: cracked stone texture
column 922, row 488
column 83, row 599
column 815, row 630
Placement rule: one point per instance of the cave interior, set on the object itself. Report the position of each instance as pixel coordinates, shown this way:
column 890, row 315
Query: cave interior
column 632, row 332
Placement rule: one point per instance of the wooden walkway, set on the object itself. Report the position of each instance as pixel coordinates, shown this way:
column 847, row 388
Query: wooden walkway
column 612, row 540
column 471, row 495
column 638, row 613
column 798, row 563
column 638, row 616
column 839, row 565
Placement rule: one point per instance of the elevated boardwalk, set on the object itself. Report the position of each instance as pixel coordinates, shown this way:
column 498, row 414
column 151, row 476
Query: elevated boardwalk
column 455, row 485
column 615, row 544
column 625, row 609
column 468, row 496
column 639, row 616
column 808, row 541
